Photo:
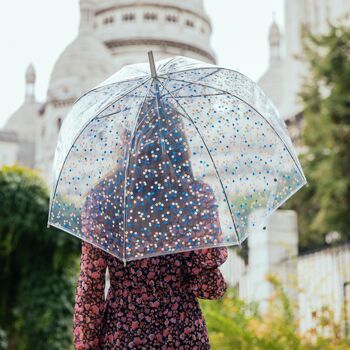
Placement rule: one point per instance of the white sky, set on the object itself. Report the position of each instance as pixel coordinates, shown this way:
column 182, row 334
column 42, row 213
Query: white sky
column 38, row 31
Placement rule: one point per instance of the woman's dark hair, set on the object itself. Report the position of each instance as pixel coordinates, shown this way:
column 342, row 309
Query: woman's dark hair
column 159, row 175
column 151, row 204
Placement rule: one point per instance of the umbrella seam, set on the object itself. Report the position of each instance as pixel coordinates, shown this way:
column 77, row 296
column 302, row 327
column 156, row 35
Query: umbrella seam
column 218, row 68
column 127, row 165
column 182, row 87
column 140, row 122
column 103, row 86
column 216, row 170
column 55, row 185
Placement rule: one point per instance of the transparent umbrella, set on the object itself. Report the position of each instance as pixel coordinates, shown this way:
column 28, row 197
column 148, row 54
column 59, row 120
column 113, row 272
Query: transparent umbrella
column 171, row 156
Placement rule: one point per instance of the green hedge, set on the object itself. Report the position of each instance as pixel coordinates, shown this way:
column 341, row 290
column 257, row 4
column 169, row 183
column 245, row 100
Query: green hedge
column 38, row 266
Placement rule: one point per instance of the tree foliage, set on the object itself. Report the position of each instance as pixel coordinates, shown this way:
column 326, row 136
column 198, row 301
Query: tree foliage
column 38, row 266
column 324, row 205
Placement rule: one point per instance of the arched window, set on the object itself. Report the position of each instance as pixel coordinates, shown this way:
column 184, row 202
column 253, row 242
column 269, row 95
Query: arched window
column 150, row 16
column 171, row 18
column 108, row 20
column 189, row 23
column 59, row 123
column 128, row 17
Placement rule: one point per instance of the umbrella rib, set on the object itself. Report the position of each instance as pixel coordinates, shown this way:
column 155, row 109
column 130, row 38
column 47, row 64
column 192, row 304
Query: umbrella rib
column 127, row 165
column 103, row 86
column 182, row 87
column 160, row 67
column 140, row 122
column 53, row 194
column 211, row 67
column 239, row 98
column 193, row 96
column 216, row 170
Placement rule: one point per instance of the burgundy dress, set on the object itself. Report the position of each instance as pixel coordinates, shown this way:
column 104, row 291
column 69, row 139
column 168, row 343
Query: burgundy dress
column 151, row 303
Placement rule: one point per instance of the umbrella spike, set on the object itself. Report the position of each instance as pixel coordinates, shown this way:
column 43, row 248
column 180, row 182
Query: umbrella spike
column 152, row 64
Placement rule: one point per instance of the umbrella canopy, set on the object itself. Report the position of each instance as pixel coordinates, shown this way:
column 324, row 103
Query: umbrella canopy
column 170, row 157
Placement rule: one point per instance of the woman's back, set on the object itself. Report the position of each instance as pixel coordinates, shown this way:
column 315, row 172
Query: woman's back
column 151, row 303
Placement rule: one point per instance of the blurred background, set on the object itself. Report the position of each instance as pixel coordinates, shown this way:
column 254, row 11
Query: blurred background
column 289, row 285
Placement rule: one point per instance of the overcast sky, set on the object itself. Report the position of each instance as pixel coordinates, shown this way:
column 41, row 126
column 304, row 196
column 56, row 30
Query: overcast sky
column 38, row 31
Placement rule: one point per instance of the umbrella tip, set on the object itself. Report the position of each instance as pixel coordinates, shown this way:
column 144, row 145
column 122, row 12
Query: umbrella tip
column 151, row 64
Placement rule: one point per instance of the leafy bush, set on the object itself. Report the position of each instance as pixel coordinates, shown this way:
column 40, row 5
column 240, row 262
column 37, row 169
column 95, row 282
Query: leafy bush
column 236, row 325
column 38, row 266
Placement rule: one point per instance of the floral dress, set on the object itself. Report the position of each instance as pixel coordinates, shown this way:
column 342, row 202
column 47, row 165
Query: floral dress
column 151, row 303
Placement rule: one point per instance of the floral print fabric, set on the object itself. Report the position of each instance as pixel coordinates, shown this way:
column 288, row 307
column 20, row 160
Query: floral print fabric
column 151, row 304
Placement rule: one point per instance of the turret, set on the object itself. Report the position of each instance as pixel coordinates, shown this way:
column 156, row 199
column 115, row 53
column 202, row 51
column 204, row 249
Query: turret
column 87, row 14
column 275, row 43
column 30, row 84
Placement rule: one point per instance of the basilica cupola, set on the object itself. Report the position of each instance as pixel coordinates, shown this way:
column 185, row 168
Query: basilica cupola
column 83, row 64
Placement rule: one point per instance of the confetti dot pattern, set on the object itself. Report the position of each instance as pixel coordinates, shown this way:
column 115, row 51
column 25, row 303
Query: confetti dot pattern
column 197, row 157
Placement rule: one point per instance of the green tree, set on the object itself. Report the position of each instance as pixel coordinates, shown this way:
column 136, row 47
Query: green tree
column 324, row 205
column 38, row 266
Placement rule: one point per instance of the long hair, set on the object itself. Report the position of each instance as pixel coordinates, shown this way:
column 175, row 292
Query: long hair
column 149, row 204
column 159, row 179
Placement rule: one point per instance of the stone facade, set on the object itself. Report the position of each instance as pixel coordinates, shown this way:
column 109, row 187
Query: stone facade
column 112, row 33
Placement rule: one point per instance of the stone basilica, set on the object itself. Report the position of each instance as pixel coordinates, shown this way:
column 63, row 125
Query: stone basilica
column 113, row 33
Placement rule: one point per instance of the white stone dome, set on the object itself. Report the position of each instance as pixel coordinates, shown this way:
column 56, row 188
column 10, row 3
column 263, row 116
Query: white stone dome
column 82, row 65
column 23, row 121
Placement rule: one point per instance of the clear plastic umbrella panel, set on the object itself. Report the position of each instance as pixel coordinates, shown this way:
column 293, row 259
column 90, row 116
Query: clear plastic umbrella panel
column 176, row 156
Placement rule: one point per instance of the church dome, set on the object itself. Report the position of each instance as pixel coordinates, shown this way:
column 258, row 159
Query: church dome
column 129, row 28
column 23, row 121
column 83, row 64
